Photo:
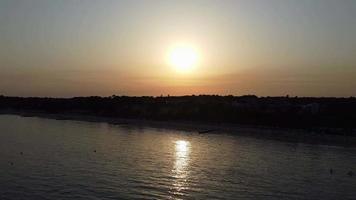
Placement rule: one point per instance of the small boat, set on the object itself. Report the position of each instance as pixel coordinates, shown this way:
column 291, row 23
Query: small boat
column 207, row 131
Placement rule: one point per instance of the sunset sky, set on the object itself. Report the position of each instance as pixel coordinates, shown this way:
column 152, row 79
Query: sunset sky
column 65, row 48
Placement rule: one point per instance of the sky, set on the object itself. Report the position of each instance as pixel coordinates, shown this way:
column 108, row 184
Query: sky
column 65, row 48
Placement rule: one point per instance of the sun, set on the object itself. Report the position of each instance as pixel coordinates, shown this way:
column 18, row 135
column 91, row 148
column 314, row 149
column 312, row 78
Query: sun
column 183, row 58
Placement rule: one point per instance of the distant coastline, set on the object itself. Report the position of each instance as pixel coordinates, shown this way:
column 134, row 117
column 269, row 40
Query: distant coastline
column 310, row 120
column 274, row 133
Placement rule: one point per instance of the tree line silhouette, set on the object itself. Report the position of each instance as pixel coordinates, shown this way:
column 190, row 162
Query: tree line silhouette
column 291, row 112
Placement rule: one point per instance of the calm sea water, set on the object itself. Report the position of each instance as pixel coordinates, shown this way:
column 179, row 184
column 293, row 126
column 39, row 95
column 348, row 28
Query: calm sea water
column 83, row 160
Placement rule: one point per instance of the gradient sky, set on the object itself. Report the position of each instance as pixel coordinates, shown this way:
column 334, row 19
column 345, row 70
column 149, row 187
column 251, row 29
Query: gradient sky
column 90, row 47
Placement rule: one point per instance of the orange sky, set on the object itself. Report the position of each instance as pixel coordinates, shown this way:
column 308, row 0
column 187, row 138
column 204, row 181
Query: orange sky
column 268, row 48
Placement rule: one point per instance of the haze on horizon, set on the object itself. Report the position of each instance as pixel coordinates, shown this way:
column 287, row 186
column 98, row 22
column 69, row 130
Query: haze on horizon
column 86, row 47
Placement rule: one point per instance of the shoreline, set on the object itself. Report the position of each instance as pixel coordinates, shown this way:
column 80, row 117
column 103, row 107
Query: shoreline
column 271, row 133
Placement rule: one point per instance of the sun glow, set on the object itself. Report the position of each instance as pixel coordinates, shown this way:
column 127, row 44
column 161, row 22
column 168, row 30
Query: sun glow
column 183, row 58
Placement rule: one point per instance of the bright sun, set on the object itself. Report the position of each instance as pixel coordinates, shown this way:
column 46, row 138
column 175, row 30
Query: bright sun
column 183, row 58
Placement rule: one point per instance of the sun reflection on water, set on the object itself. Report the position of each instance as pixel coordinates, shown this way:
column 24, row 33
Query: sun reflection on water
column 180, row 170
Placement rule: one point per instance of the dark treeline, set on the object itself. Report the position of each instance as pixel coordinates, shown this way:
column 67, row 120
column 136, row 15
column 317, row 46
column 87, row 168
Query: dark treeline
column 302, row 112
